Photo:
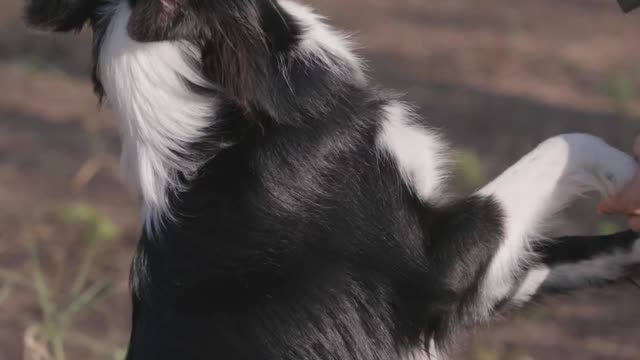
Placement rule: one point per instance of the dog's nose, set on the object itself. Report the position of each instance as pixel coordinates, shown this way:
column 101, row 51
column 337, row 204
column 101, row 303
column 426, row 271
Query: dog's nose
column 629, row 5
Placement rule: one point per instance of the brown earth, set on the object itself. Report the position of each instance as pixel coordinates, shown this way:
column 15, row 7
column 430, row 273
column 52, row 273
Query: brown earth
column 497, row 76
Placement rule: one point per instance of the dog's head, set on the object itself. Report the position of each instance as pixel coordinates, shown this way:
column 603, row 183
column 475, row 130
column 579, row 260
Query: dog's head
column 60, row 15
column 151, row 20
column 228, row 33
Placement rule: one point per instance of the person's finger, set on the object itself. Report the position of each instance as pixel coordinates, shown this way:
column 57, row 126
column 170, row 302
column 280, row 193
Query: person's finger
column 604, row 209
column 636, row 148
column 613, row 206
column 634, row 223
column 625, row 203
column 628, row 203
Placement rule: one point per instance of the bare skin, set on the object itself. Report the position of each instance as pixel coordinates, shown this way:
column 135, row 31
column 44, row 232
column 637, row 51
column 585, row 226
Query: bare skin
column 627, row 202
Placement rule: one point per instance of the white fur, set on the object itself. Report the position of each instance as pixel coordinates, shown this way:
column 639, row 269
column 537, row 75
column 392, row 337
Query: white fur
column 322, row 43
column 160, row 117
column 532, row 282
column 418, row 151
column 421, row 354
column 540, row 185
column 158, row 114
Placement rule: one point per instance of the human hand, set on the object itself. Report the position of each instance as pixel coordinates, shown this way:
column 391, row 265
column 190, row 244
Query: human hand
column 626, row 202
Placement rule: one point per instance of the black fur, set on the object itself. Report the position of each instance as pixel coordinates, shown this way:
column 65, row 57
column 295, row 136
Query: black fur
column 298, row 239
column 571, row 249
column 60, row 15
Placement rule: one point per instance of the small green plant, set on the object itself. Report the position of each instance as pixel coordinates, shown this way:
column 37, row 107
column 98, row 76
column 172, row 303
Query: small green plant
column 472, row 174
column 482, row 353
column 621, row 90
column 608, row 228
column 59, row 306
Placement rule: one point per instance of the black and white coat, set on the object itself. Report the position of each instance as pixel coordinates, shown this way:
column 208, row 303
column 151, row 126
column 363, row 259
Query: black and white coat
column 294, row 211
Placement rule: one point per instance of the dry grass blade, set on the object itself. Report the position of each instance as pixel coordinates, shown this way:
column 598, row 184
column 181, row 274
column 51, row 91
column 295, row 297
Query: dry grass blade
column 40, row 285
column 14, row 278
column 87, row 172
column 86, row 298
column 52, row 330
column 5, row 292
column 35, row 347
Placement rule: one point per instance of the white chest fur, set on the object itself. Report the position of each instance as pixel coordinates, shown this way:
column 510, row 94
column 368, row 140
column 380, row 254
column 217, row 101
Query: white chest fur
column 159, row 114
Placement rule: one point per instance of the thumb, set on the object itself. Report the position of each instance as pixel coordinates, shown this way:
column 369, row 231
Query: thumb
column 636, row 148
column 606, row 208
column 614, row 205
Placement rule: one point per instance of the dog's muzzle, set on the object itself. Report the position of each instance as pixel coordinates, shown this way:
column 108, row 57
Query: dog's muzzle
column 629, row 5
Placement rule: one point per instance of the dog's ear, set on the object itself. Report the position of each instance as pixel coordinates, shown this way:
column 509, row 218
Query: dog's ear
column 59, row 15
column 158, row 20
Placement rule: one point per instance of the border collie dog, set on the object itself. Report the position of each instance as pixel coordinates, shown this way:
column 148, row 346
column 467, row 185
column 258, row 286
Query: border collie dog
column 294, row 211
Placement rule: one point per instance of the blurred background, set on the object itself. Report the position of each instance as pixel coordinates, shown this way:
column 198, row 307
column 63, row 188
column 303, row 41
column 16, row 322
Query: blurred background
column 496, row 76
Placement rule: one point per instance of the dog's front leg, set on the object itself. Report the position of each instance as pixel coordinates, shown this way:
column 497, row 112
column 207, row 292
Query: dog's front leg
column 569, row 263
column 538, row 187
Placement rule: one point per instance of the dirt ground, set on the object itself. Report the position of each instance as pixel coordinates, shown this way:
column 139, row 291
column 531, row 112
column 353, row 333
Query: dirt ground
column 496, row 76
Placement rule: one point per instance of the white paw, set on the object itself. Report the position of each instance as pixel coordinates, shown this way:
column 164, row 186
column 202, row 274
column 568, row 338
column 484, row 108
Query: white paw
column 598, row 165
column 615, row 169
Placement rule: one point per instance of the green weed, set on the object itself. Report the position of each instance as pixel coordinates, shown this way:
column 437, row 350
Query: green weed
column 621, row 90
column 59, row 306
column 482, row 353
column 608, row 228
column 472, row 174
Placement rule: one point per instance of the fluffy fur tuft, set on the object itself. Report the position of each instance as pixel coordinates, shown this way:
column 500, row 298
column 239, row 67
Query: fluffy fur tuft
column 161, row 115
